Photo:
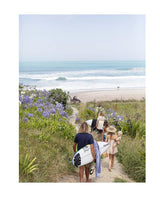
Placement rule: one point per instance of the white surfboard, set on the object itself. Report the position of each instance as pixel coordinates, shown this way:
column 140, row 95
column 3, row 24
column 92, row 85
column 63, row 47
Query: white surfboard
column 89, row 122
column 84, row 155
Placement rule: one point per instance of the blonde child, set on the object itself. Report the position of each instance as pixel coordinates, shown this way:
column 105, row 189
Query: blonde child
column 111, row 138
column 117, row 141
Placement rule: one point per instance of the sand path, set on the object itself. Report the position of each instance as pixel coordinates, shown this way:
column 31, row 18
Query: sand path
column 105, row 176
column 74, row 114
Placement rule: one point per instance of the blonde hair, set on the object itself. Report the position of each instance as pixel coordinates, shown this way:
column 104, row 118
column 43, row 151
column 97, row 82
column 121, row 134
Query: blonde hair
column 101, row 113
column 120, row 132
column 84, row 128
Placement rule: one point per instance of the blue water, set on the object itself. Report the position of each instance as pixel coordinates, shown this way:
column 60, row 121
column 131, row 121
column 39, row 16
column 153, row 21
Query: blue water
column 83, row 75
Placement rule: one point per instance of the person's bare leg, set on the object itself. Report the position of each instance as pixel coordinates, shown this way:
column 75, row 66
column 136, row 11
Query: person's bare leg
column 110, row 162
column 102, row 136
column 81, row 171
column 87, row 173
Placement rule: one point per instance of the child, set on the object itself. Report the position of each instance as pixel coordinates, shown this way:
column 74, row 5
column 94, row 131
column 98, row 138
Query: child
column 117, row 141
column 111, row 138
column 104, row 133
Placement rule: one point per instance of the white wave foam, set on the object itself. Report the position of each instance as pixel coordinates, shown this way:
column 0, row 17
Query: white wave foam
column 48, row 78
column 72, row 74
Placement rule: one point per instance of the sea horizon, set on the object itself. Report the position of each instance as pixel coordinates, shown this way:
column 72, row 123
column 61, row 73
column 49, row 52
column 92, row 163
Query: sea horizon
column 85, row 75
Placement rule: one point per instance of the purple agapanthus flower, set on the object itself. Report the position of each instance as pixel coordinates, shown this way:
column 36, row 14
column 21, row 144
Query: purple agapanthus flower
column 78, row 120
column 39, row 109
column 20, row 98
column 30, row 115
column 30, row 105
column 120, row 118
column 46, row 114
column 40, row 105
column 52, row 111
column 36, row 104
column 63, row 113
column 45, row 107
column 92, row 109
column 59, row 107
column 113, row 114
column 26, row 100
column 25, row 119
column 39, row 100
column 50, row 105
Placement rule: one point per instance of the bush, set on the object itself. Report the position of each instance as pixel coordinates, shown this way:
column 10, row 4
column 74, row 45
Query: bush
column 58, row 95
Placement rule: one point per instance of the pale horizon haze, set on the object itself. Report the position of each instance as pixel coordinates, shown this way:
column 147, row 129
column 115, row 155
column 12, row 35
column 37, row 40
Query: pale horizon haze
column 81, row 37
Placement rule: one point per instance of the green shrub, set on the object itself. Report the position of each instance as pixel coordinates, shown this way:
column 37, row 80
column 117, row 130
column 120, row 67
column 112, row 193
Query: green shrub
column 58, row 95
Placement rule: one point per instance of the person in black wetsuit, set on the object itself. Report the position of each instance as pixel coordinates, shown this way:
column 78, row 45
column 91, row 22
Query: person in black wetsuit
column 82, row 139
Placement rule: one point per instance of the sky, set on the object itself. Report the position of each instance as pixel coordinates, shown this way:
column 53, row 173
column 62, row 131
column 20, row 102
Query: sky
column 81, row 37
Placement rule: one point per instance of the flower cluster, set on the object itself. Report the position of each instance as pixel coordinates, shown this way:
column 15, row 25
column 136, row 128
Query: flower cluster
column 78, row 120
column 92, row 109
column 39, row 101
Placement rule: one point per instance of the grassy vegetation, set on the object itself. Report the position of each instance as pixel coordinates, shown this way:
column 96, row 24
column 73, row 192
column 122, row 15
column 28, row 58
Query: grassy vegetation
column 53, row 156
column 131, row 153
column 45, row 138
column 86, row 113
column 118, row 180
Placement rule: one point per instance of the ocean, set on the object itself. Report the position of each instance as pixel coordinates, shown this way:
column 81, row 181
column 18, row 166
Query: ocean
column 76, row 76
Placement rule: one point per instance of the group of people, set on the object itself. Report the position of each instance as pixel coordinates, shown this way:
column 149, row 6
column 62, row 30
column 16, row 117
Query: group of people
column 106, row 133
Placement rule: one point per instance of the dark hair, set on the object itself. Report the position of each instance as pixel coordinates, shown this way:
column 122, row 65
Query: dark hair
column 106, row 124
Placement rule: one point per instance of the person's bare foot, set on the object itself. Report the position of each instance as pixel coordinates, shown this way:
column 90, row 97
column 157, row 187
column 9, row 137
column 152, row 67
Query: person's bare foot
column 88, row 181
column 109, row 169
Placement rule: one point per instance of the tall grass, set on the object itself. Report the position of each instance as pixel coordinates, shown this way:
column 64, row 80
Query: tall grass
column 131, row 153
column 53, row 155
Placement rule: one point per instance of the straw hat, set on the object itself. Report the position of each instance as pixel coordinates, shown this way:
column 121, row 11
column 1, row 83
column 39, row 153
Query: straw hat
column 111, row 129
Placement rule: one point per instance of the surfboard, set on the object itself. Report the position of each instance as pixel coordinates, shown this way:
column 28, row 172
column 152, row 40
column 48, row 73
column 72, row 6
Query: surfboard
column 89, row 122
column 84, row 155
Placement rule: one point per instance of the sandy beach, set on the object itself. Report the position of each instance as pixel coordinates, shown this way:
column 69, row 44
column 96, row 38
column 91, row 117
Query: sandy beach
column 109, row 95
